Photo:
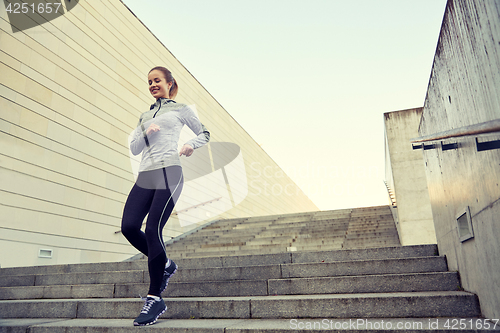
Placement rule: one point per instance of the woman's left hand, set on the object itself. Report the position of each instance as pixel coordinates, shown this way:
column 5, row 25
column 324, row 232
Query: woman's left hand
column 186, row 150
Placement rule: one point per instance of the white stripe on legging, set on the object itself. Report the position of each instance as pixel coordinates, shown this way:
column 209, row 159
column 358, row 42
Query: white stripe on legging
column 161, row 217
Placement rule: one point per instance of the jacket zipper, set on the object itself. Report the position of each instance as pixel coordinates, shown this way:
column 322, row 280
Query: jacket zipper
column 159, row 106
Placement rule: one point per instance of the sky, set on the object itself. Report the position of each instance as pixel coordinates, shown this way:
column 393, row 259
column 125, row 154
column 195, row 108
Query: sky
column 308, row 80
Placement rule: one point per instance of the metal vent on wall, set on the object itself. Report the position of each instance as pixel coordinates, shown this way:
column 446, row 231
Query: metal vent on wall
column 464, row 225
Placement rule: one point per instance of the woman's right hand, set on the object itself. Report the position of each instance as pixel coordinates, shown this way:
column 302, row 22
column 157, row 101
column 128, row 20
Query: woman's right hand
column 152, row 129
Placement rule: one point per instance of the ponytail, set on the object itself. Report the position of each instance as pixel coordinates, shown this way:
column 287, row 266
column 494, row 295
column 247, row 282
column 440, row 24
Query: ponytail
column 173, row 89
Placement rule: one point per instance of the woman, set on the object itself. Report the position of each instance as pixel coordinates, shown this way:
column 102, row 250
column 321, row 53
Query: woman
column 159, row 183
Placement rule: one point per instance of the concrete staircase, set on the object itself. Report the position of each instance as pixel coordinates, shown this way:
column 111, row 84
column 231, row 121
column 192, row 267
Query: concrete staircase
column 224, row 288
column 313, row 231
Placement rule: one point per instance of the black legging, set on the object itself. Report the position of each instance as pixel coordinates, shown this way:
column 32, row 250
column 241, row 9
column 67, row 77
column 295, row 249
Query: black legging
column 155, row 192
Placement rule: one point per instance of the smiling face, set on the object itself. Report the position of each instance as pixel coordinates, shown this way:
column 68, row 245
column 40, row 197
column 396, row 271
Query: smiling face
column 158, row 85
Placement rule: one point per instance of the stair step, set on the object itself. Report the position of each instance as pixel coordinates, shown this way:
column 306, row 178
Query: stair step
column 444, row 281
column 225, row 259
column 287, row 241
column 286, row 220
column 75, row 268
column 199, row 289
column 108, row 277
column 303, row 229
column 372, row 226
column 312, row 247
column 364, row 267
column 225, row 232
column 380, row 305
column 374, row 252
column 209, row 237
column 266, row 281
column 58, row 292
column 331, row 217
column 192, row 255
column 367, row 245
column 252, row 225
column 366, row 284
column 353, row 325
column 363, row 254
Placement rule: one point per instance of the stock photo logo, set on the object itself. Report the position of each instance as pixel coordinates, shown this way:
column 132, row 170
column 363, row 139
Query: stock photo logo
column 25, row 14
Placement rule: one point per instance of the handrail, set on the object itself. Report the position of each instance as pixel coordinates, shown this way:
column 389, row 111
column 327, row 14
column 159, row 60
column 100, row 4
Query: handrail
column 481, row 128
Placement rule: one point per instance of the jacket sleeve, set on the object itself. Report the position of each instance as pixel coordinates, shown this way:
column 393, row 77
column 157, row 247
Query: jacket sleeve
column 202, row 134
column 139, row 139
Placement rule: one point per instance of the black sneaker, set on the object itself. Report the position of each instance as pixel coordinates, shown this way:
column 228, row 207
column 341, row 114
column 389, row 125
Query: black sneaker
column 167, row 274
column 151, row 310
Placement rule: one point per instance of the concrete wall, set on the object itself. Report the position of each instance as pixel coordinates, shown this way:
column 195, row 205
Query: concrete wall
column 405, row 175
column 71, row 92
column 464, row 90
